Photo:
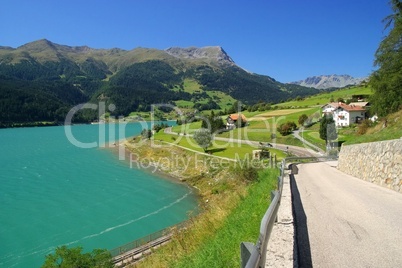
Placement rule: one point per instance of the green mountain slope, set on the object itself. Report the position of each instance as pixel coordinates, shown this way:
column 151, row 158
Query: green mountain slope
column 62, row 76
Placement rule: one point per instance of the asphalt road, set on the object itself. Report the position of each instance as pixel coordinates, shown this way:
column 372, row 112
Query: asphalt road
column 342, row 221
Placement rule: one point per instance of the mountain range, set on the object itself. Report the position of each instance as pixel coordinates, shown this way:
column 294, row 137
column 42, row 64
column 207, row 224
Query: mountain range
column 42, row 80
column 329, row 81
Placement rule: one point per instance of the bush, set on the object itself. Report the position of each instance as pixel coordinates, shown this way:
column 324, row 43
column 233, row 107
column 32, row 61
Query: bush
column 287, row 128
column 246, row 172
column 302, row 119
column 146, row 134
column 363, row 126
column 74, row 257
column 158, row 127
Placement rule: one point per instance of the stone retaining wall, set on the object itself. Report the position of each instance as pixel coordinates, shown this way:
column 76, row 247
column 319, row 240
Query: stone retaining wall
column 376, row 162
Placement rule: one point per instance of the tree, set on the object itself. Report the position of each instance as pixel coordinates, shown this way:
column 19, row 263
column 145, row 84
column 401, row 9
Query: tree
column 386, row 81
column 286, row 128
column 158, row 127
column 327, row 128
column 203, row 137
column 213, row 122
column 302, row 119
column 73, row 257
column 146, row 134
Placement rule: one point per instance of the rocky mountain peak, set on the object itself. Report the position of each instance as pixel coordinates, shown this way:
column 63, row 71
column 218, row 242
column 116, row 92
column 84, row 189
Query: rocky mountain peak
column 211, row 52
column 329, row 81
column 44, row 44
column 37, row 46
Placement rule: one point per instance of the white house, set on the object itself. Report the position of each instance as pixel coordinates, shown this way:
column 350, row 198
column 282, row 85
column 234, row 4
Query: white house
column 345, row 115
column 330, row 107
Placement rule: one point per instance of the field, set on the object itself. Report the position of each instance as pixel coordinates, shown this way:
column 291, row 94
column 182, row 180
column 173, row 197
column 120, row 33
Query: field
column 262, row 126
column 193, row 87
column 219, row 148
column 323, row 98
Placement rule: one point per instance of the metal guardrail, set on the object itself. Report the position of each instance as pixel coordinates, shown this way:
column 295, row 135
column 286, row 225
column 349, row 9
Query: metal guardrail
column 141, row 243
column 137, row 243
column 254, row 255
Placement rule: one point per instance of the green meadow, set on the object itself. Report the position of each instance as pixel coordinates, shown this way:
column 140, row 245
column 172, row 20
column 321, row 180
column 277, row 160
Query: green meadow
column 325, row 97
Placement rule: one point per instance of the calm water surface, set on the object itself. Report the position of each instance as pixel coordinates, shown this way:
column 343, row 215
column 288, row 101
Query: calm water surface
column 53, row 193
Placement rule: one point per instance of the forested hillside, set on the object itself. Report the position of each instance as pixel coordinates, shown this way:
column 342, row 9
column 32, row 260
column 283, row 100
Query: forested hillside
column 41, row 81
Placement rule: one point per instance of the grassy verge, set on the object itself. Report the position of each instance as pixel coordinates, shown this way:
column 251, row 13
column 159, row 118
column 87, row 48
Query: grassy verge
column 387, row 128
column 242, row 224
column 214, row 237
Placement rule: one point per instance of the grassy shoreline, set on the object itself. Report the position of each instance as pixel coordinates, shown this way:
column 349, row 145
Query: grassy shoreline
column 229, row 195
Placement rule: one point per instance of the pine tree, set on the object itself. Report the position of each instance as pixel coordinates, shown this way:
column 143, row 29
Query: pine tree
column 327, row 128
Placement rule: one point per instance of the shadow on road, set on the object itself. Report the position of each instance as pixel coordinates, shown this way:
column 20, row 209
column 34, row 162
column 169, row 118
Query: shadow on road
column 301, row 247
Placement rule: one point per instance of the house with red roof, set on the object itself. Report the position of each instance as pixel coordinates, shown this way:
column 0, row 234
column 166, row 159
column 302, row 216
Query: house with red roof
column 232, row 121
column 344, row 114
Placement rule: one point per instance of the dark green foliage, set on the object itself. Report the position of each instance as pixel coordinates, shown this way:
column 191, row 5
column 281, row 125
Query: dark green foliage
column 95, row 69
column 247, row 87
column 387, row 80
column 138, row 86
column 158, row 127
column 146, row 134
column 328, row 129
column 210, row 105
column 214, row 123
column 74, row 257
column 31, row 91
column 236, row 107
column 287, row 128
column 153, row 72
column 260, row 106
column 30, row 101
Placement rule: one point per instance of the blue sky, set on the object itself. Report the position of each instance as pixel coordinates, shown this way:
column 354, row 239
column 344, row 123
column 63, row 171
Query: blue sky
column 287, row 40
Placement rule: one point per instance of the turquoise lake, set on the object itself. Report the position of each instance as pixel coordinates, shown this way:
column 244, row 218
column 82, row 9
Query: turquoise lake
column 53, row 193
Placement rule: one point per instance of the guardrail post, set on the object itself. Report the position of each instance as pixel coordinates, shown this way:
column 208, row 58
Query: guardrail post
column 273, row 194
column 245, row 252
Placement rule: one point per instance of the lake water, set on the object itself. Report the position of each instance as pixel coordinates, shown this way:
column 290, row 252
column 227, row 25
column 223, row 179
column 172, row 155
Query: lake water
column 53, row 193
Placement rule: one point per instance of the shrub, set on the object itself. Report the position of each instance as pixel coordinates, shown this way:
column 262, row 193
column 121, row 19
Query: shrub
column 363, row 126
column 246, row 172
column 74, row 257
column 302, row 119
column 286, row 128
